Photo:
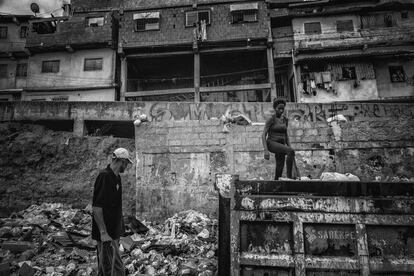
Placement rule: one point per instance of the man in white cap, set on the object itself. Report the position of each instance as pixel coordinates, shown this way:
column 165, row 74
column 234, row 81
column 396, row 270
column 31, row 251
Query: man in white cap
column 107, row 222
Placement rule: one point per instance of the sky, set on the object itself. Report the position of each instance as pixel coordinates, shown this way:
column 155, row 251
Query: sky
column 23, row 7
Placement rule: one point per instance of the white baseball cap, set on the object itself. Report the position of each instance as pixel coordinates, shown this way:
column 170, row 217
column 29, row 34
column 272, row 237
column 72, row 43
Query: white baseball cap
column 122, row 154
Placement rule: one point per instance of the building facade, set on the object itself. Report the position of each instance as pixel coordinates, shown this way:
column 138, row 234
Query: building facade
column 13, row 56
column 73, row 57
column 209, row 50
column 345, row 50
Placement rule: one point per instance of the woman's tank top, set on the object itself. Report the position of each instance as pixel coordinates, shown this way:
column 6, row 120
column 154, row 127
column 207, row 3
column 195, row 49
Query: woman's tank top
column 277, row 128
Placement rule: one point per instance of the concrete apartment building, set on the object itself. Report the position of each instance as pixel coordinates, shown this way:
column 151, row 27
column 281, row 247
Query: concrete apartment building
column 208, row 50
column 331, row 51
column 72, row 58
column 13, row 56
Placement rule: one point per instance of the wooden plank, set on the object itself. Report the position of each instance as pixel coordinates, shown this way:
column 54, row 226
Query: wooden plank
column 158, row 55
column 319, row 217
column 233, row 49
column 158, row 92
column 234, row 234
column 391, row 265
column 326, row 204
column 234, row 88
column 269, row 260
column 327, row 188
column 362, row 248
column 334, row 263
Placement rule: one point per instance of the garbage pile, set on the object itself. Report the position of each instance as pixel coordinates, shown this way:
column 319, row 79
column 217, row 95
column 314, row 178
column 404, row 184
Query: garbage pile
column 54, row 239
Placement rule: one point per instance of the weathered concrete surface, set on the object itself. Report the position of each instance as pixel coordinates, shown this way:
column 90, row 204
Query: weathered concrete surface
column 39, row 165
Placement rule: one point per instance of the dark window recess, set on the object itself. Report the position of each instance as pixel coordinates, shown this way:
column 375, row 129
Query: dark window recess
column 313, row 28
column 3, row 32
column 95, row 21
column 21, row 70
column 50, row 66
column 47, row 27
column 348, row 73
column 404, row 15
column 388, row 20
column 244, row 16
column 3, row 70
column 23, row 32
column 397, row 74
column 344, row 26
column 193, row 17
column 93, row 64
column 147, row 21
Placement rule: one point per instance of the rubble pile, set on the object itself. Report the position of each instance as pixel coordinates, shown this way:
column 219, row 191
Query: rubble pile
column 54, row 239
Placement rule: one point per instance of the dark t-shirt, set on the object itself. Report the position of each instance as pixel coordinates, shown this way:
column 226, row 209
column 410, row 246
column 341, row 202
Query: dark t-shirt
column 277, row 128
column 107, row 194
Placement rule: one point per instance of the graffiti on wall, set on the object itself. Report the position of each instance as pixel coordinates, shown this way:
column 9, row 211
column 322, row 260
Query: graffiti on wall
column 258, row 112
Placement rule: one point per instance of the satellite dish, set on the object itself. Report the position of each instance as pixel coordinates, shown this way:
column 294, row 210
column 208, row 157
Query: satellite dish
column 35, row 8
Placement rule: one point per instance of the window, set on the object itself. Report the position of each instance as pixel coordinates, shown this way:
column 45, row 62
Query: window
column 50, row 66
column 397, row 74
column 21, row 70
column 92, row 64
column 44, row 27
column 147, row 21
column 23, row 31
column 192, row 17
column 313, row 28
column 60, row 98
column 3, row 32
column 242, row 13
column 348, row 73
column 388, row 20
column 3, row 71
column 95, row 21
column 344, row 26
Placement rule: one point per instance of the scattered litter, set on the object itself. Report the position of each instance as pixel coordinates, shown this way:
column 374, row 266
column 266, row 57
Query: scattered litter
column 334, row 176
column 54, row 239
column 338, row 118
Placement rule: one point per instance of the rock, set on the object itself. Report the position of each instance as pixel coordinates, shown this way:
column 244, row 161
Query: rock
column 205, row 234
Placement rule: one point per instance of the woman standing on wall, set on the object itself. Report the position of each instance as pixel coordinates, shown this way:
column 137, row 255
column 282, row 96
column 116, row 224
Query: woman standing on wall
column 275, row 139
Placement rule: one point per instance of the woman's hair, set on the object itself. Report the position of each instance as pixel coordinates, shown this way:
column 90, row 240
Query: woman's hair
column 278, row 101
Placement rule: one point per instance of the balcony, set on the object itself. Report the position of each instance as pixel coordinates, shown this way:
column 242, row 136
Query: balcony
column 357, row 39
column 62, row 33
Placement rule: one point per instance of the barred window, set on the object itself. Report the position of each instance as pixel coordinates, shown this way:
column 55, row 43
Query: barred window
column 50, row 66
column 344, row 26
column 93, row 64
column 3, row 71
column 348, row 73
column 313, row 28
column 192, row 17
column 397, row 74
column 147, row 21
column 3, row 32
column 244, row 16
column 23, row 31
column 21, row 70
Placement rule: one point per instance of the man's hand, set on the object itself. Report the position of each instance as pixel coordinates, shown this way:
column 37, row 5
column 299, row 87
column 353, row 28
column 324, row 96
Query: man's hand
column 105, row 237
column 266, row 155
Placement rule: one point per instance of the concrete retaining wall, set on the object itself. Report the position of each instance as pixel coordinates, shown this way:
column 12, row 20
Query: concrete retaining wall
column 184, row 145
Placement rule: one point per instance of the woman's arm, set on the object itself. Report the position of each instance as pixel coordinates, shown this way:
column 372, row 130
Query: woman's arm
column 287, row 135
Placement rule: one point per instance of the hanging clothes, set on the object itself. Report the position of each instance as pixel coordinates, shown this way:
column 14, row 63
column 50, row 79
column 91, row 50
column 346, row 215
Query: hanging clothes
column 203, row 30
column 318, row 78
